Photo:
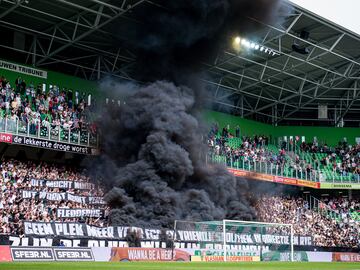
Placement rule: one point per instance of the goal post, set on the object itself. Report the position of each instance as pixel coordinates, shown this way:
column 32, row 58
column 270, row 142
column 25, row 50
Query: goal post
column 275, row 229
column 234, row 240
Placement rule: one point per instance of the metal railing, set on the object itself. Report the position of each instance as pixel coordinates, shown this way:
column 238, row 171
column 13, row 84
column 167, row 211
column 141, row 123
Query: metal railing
column 267, row 167
column 323, row 209
column 49, row 132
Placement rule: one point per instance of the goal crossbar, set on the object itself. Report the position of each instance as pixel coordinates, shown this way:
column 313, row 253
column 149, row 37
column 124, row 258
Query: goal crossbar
column 224, row 227
column 263, row 224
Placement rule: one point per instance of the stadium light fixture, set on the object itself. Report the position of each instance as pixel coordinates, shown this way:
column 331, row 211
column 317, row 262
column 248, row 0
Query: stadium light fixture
column 239, row 42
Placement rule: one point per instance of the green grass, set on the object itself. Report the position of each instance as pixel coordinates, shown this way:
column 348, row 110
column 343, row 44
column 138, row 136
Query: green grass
column 177, row 266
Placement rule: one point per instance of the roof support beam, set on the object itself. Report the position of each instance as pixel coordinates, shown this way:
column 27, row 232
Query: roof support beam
column 308, row 102
column 293, row 67
column 83, row 68
column 16, row 4
column 85, row 34
column 61, row 39
column 84, row 8
column 293, row 23
column 239, row 91
column 98, row 16
column 253, row 79
column 307, row 42
column 353, row 99
column 70, row 59
column 276, row 69
column 107, row 5
column 237, row 107
column 337, row 42
column 286, row 98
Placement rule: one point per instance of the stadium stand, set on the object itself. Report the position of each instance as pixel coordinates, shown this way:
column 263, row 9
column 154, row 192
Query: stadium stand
column 341, row 162
column 22, row 200
column 333, row 222
column 284, row 93
column 311, row 161
column 326, row 230
column 341, row 209
column 26, row 109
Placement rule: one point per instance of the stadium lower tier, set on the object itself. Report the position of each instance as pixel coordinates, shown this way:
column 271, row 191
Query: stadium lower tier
column 50, row 204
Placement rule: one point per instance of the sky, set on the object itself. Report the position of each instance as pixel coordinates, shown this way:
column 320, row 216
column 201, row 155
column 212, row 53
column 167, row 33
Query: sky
column 342, row 12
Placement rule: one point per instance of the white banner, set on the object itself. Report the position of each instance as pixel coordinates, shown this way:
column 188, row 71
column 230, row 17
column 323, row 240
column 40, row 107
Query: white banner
column 68, row 229
column 59, row 196
column 62, row 184
column 79, row 213
column 23, row 69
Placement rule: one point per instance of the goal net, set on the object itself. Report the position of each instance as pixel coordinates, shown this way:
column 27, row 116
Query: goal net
column 232, row 240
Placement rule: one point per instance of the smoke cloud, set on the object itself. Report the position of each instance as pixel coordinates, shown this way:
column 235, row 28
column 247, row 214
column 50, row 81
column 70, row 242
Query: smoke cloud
column 153, row 151
column 154, row 163
column 183, row 33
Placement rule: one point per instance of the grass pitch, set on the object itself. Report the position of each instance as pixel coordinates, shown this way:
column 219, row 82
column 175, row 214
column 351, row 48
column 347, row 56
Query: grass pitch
column 177, row 266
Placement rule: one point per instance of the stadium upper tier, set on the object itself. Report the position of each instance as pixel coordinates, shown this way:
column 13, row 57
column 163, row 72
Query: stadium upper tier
column 45, row 112
column 295, row 159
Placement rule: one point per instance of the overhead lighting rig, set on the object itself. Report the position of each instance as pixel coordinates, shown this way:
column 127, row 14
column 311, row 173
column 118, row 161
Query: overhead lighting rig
column 241, row 44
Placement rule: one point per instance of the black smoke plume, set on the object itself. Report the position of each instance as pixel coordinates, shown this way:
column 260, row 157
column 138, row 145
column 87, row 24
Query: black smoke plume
column 177, row 37
column 153, row 151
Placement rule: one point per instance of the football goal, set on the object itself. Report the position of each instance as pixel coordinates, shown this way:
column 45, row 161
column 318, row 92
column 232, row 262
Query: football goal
column 234, row 240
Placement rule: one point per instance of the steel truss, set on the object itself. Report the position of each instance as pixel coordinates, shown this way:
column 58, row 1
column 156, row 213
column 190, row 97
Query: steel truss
column 76, row 26
column 281, row 88
column 288, row 86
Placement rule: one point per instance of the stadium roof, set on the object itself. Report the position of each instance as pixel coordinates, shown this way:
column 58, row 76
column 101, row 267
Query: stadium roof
column 69, row 36
column 77, row 37
column 288, row 87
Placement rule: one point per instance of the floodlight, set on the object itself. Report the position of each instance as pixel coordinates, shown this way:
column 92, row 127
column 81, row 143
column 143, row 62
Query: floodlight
column 247, row 44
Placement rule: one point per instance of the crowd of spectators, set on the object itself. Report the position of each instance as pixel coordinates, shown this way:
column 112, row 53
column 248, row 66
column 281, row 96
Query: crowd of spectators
column 256, row 149
column 334, row 222
column 249, row 149
column 343, row 209
column 16, row 177
column 344, row 158
column 325, row 230
column 34, row 108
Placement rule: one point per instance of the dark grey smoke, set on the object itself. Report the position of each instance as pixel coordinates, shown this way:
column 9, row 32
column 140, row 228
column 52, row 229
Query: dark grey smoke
column 184, row 32
column 153, row 155
column 154, row 167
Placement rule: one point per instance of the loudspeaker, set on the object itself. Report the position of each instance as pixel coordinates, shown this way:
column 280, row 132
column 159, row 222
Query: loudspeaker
column 304, row 34
column 298, row 49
